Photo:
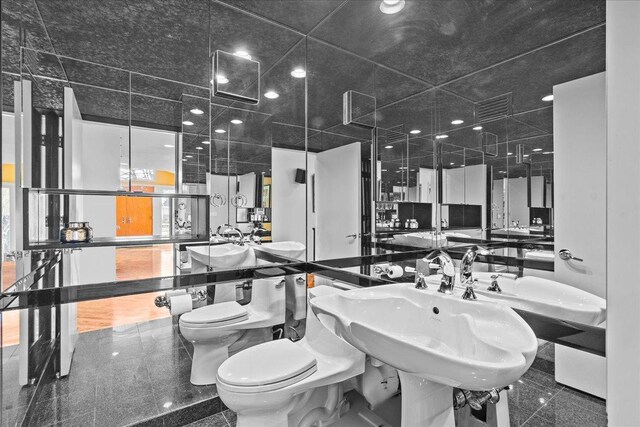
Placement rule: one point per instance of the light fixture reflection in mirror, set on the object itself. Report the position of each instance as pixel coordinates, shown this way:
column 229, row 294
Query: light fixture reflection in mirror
column 271, row 95
column 236, row 121
column 477, row 128
column 299, row 73
column 390, row 7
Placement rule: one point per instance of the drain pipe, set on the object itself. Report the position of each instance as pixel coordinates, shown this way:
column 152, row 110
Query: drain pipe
column 334, row 393
column 476, row 399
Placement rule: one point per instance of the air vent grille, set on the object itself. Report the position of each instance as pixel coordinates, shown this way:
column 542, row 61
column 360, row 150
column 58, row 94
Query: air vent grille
column 494, row 108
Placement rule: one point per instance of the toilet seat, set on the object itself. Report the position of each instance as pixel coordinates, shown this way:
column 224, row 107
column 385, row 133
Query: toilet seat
column 267, row 367
column 220, row 314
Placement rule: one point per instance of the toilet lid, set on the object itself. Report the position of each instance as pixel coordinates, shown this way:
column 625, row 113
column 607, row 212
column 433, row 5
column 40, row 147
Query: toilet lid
column 224, row 312
column 267, row 366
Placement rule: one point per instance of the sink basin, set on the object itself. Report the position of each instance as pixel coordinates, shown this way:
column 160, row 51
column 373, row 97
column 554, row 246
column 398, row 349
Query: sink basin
column 217, row 256
column 546, row 297
column 287, row 249
column 436, row 342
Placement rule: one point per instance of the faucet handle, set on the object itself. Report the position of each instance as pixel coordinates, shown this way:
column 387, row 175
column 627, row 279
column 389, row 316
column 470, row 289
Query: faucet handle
column 422, row 282
column 494, row 287
column 469, row 293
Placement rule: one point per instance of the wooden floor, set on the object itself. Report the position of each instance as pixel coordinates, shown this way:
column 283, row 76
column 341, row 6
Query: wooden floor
column 131, row 264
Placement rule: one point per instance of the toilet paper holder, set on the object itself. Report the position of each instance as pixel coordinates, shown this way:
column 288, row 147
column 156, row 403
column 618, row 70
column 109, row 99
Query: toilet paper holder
column 196, row 296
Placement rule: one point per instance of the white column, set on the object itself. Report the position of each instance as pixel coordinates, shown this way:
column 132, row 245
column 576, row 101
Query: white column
column 623, row 211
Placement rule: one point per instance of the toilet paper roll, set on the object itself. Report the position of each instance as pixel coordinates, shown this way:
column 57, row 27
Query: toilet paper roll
column 179, row 304
column 169, row 294
column 395, row 271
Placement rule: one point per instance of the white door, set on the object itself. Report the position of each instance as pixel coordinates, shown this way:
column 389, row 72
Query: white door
column 579, row 131
column 338, row 193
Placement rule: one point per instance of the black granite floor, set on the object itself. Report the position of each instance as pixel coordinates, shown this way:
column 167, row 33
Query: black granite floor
column 133, row 374
column 118, row 377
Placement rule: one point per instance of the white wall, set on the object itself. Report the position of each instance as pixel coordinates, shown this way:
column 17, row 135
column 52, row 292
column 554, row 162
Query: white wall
column 537, row 191
column 288, row 198
column 497, row 208
column 623, row 211
column 517, row 207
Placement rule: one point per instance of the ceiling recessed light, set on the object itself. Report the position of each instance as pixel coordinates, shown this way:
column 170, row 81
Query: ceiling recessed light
column 236, row 121
column 547, row 98
column 526, row 155
column 271, row 95
column 457, row 122
column 384, row 170
column 548, row 152
column 189, row 156
column 184, row 160
column 167, row 405
column 477, row 128
column 199, row 148
column 220, row 131
column 390, row 7
column 452, row 163
column 242, row 54
column 299, row 73
column 442, row 136
column 415, row 131
column 509, row 154
column 222, row 80
column 168, row 145
column 537, row 149
column 197, row 111
column 187, row 123
column 503, row 171
column 206, row 142
column 388, row 146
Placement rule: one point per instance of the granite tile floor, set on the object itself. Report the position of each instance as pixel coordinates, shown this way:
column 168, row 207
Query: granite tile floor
column 535, row 400
column 118, row 377
column 129, row 374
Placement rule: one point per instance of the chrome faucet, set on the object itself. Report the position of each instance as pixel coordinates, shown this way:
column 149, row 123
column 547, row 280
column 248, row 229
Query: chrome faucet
column 257, row 239
column 466, row 270
column 228, row 229
column 447, row 268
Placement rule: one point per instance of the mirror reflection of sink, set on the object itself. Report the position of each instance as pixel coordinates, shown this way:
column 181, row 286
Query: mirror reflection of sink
column 436, row 341
column 288, row 249
column 427, row 239
column 546, row 297
column 217, row 256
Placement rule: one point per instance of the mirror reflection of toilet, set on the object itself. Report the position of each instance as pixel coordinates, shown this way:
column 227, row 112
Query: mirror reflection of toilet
column 222, row 329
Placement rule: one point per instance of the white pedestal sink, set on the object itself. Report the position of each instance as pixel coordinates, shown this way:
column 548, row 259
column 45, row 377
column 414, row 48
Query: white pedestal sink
column 436, row 342
column 543, row 296
column 220, row 257
column 287, row 249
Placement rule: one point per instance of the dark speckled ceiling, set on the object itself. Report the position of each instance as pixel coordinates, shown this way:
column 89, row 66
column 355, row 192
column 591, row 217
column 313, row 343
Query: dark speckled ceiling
column 427, row 65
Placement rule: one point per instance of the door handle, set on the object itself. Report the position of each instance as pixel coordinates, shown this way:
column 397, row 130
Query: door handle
column 565, row 255
column 351, row 236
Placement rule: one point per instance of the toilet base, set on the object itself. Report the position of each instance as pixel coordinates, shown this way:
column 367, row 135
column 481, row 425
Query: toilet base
column 207, row 358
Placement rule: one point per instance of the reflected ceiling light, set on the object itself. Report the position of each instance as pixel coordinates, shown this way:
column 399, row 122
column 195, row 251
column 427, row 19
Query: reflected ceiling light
column 242, row 53
column 199, row 148
column 509, row 154
column 384, row 170
column 197, row 111
column 167, row 405
column 187, row 123
column 547, row 98
column 222, row 80
column 189, row 156
column 477, row 128
column 537, row 149
column 388, row 146
column 503, row 171
column 391, row 6
column 184, row 160
column 168, row 145
column 442, row 136
column 462, row 165
column 299, row 73
column 271, row 95
column 548, row 152
column 452, row 163
column 457, row 122
column 236, row 121
column 220, row 131
column 206, row 142
column 526, row 155
column 415, row 131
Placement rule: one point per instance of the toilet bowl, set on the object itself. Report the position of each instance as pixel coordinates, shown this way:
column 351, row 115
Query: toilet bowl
column 220, row 330
column 282, row 383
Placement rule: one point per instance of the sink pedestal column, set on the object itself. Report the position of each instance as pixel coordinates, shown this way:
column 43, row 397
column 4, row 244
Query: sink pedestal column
column 425, row 403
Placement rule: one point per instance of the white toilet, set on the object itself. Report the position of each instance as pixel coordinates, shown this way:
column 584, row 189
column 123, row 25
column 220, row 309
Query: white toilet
column 282, row 383
column 222, row 329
